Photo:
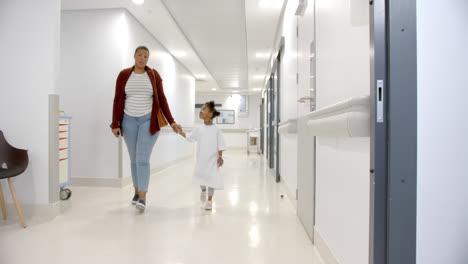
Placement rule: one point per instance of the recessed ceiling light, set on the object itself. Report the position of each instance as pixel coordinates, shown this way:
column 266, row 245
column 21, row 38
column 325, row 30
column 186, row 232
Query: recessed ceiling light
column 138, row 2
column 213, row 89
column 235, row 91
column 200, row 76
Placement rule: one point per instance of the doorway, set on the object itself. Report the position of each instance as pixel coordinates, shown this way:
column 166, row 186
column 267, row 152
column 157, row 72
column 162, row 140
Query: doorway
column 306, row 149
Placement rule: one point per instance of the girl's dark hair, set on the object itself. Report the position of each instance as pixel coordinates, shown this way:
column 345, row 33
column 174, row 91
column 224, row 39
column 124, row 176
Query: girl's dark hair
column 211, row 106
column 141, row 47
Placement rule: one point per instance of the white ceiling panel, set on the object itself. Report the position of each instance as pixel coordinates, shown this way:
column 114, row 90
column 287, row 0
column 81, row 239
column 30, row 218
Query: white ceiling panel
column 263, row 17
column 226, row 44
column 217, row 31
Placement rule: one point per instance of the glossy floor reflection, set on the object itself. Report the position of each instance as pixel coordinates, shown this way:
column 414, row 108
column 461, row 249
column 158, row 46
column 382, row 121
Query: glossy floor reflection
column 250, row 223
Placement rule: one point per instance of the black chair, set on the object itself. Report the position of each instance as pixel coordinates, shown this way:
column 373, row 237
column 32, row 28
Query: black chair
column 13, row 162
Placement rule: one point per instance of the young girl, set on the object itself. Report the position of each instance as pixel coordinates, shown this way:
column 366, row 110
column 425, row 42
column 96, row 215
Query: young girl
column 209, row 154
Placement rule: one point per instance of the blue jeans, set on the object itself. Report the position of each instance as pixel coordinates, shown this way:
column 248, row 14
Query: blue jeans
column 140, row 143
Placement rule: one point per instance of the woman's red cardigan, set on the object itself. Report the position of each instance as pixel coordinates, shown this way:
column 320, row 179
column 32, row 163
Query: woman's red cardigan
column 158, row 103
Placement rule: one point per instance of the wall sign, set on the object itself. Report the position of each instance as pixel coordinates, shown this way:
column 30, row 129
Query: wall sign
column 226, row 117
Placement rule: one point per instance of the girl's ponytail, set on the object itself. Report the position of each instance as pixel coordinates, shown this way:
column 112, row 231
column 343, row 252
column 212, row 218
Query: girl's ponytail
column 211, row 105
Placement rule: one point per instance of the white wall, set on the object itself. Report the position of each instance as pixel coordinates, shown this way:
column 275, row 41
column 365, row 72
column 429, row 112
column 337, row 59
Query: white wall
column 91, row 58
column 442, row 214
column 96, row 46
column 342, row 179
column 29, row 48
column 252, row 120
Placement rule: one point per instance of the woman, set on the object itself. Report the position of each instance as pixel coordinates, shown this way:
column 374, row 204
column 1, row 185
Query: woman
column 139, row 97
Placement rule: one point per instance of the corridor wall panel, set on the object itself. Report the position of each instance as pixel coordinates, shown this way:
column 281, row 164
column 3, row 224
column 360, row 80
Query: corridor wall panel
column 288, row 97
column 30, row 45
column 442, row 196
column 96, row 46
column 342, row 179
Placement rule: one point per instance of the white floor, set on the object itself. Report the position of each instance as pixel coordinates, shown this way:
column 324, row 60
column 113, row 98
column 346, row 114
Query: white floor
column 251, row 223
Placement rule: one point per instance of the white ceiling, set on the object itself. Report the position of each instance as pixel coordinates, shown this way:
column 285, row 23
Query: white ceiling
column 217, row 40
column 217, row 31
column 262, row 23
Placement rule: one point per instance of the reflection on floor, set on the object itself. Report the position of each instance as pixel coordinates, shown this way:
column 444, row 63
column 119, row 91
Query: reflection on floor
column 250, row 223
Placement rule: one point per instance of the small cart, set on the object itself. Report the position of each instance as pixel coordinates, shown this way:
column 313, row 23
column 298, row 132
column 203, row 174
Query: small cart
column 64, row 155
column 253, row 136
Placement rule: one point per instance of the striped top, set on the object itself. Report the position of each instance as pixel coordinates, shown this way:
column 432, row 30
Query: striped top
column 138, row 95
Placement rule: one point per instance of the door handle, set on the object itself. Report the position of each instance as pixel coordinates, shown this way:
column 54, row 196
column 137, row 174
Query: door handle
column 380, row 101
column 304, row 99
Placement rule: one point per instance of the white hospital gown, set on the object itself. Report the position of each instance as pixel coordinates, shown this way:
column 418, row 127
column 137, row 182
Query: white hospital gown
column 210, row 141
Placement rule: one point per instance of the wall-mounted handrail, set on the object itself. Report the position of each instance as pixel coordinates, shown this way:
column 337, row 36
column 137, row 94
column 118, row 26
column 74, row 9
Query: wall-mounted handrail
column 349, row 118
column 304, row 99
column 288, row 127
column 234, row 130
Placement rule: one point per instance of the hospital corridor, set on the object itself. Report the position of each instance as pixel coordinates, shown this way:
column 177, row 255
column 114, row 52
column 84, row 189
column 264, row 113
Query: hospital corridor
column 233, row 131
column 250, row 223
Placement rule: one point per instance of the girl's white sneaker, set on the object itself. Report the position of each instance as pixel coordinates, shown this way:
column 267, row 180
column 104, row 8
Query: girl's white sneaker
column 203, row 196
column 208, row 205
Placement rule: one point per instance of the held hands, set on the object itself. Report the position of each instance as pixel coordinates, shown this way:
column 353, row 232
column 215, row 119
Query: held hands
column 220, row 161
column 176, row 127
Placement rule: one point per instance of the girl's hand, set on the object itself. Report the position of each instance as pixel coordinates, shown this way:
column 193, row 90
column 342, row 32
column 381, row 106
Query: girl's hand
column 117, row 132
column 220, row 161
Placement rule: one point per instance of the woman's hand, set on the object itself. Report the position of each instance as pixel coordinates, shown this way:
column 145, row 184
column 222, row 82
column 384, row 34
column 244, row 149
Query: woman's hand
column 176, row 127
column 117, row 132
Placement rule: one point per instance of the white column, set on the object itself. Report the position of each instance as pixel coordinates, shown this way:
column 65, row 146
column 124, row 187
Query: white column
column 29, row 48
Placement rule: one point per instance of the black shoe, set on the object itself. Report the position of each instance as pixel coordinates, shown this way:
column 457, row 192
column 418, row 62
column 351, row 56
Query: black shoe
column 135, row 199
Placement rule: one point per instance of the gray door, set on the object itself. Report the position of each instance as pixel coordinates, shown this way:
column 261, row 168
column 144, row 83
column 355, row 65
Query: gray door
column 306, row 143
column 306, row 178
column 262, row 126
column 275, row 101
column 271, row 128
